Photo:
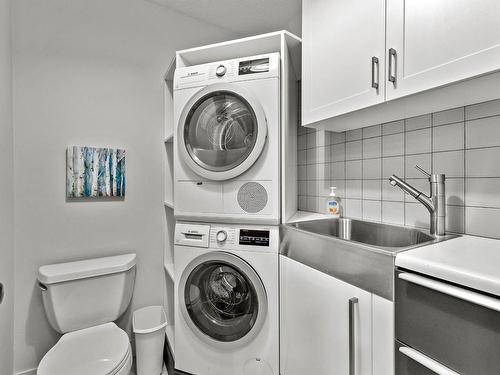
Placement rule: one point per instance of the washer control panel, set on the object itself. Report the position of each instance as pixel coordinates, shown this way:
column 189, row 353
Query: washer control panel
column 254, row 237
column 240, row 238
column 222, row 235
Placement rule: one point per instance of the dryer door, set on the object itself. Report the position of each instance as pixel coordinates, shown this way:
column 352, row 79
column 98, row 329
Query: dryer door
column 222, row 131
column 222, row 299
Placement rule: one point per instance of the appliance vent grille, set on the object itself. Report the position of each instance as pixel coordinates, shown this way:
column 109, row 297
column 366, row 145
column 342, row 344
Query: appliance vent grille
column 252, row 197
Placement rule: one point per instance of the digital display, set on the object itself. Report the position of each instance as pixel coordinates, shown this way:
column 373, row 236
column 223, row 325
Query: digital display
column 254, row 237
column 253, row 66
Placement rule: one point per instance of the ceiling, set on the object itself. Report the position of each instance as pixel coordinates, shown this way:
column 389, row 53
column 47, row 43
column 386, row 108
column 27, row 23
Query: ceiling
column 243, row 17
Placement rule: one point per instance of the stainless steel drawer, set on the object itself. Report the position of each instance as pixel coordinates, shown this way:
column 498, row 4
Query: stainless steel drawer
column 448, row 324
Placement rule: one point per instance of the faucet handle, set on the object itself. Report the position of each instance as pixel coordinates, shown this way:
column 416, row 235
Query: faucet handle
column 423, row 171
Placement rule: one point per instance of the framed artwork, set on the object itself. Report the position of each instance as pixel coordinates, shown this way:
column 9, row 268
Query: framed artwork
column 95, row 172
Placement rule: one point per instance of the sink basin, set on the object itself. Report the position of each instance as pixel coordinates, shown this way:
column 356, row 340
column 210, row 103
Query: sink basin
column 358, row 252
column 383, row 236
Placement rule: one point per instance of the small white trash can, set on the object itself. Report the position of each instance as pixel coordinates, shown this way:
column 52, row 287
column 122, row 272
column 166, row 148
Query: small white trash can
column 149, row 325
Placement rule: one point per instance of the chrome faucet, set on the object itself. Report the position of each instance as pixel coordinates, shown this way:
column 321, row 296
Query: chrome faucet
column 435, row 203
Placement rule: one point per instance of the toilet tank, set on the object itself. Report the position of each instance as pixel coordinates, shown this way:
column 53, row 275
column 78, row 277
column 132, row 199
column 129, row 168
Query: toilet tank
column 87, row 293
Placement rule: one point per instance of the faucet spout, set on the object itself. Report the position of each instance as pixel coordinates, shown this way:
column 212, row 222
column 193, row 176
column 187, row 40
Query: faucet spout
column 435, row 203
column 417, row 194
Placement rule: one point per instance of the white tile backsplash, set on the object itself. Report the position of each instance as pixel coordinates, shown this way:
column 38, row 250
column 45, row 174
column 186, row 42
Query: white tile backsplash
column 418, row 122
column 393, row 145
column 393, row 212
column 422, row 160
column 353, row 169
column 353, row 150
column 476, row 130
column 450, row 163
column 372, row 210
column 372, row 148
column 483, row 162
column 372, row 169
column 486, row 109
column 448, row 137
column 393, row 127
column 448, row 117
column 483, row 192
column 463, row 143
column 418, row 141
column 372, row 131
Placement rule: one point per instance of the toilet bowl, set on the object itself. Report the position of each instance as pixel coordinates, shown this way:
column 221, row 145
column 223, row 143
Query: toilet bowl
column 100, row 350
column 82, row 300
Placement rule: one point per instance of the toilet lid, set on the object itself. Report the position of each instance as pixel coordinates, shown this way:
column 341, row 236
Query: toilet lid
column 96, row 350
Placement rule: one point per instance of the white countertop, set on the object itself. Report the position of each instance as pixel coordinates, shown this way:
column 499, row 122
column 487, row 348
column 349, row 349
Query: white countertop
column 307, row 215
column 470, row 261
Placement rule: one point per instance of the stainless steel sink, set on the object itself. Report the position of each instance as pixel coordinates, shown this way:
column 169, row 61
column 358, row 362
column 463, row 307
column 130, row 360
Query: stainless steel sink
column 387, row 237
column 358, row 252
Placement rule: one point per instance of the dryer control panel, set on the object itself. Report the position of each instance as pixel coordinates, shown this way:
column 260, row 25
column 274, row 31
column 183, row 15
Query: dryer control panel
column 241, row 69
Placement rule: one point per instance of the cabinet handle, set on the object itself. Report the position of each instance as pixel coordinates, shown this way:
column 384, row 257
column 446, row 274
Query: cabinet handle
column 392, row 56
column 426, row 362
column 352, row 335
column 375, row 69
column 452, row 290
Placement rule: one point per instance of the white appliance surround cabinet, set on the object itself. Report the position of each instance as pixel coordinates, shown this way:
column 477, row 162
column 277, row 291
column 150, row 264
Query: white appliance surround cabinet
column 289, row 47
column 396, row 59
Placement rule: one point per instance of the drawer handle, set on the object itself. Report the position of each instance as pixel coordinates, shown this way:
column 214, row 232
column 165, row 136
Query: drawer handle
column 451, row 290
column 427, row 362
column 352, row 335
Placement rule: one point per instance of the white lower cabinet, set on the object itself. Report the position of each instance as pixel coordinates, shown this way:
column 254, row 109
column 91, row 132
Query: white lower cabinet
column 320, row 313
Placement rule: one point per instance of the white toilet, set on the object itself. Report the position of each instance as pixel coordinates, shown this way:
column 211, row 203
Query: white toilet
column 81, row 300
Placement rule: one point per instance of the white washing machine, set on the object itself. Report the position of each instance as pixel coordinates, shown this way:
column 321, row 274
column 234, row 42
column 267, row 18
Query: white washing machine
column 227, row 147
column 226, row 299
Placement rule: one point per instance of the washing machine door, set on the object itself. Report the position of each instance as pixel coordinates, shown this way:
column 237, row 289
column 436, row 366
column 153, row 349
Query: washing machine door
column 222, row 131
column 222, row 299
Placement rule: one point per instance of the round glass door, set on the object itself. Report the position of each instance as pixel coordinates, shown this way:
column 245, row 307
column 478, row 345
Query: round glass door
column 222, row 130
column 224, row 301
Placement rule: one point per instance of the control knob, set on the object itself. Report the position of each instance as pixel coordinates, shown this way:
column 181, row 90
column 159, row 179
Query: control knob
column 220, row 71
column 221, row 236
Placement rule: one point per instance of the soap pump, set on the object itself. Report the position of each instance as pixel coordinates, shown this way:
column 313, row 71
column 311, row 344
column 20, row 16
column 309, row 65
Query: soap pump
column 332, row 203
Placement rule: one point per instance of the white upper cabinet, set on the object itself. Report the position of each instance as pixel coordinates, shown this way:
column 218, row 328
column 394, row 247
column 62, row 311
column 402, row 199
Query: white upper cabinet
column 432, row 55
column 343, row 57
column 440, row 42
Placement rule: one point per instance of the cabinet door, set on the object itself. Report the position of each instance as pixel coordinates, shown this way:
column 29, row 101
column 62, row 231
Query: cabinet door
column 315, row 322
column 440, row 42
column 339, row 40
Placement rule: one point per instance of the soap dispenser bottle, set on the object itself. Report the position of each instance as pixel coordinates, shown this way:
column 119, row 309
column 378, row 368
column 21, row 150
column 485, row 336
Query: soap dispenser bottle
column 332, row 204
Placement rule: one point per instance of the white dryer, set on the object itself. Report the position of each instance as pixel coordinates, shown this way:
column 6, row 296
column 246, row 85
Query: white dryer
column 226, row 299
column 227, row 141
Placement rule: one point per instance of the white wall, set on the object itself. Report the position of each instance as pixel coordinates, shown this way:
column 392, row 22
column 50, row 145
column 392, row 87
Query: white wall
column 6, row 191
column 88, row 72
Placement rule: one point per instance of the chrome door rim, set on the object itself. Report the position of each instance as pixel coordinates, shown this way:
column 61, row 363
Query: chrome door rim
column 259, row 144
column 253, row 277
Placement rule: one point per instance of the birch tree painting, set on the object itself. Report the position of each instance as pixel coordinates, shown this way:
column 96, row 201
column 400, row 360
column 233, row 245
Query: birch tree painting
column 95, row 172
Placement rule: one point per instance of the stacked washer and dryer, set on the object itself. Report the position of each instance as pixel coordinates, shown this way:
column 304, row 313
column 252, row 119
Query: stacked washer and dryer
column 227, row 189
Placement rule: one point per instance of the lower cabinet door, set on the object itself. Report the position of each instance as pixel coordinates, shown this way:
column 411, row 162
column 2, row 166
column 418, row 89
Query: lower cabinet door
column 326, row 324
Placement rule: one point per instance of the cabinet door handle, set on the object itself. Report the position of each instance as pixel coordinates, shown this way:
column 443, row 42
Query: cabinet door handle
column 352, row 335
column 375, row 69
column 392, row 57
